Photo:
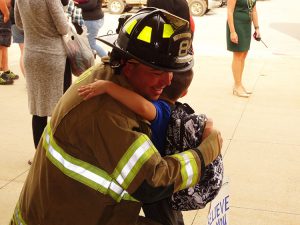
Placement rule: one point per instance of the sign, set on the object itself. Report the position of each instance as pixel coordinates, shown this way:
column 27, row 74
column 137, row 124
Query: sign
column 219, row 207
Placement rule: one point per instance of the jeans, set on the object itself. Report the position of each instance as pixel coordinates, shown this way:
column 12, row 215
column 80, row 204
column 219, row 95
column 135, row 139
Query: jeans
column 93, row 27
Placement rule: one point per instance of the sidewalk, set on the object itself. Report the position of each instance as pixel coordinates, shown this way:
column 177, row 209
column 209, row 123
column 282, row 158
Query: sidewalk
column 261, row 137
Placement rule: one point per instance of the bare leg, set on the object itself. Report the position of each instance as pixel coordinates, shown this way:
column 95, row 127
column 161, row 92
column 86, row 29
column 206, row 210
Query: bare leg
column 1, row 69
column 21, row 45
column 4, row 59
column 238, row 64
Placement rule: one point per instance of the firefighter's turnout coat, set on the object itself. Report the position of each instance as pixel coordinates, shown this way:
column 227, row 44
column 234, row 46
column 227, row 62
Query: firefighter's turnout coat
column 95, row 164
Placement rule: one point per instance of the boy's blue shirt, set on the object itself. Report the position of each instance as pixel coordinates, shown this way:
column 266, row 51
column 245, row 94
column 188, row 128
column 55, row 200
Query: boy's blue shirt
column 160, row 124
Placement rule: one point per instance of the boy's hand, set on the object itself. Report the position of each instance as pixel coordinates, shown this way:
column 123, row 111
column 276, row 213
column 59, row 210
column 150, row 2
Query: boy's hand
column 208, row 128
column 93, row 89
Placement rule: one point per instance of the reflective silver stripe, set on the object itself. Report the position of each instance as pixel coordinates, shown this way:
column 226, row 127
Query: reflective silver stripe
column 77, row 169
column 188, row 169
column 132, row 161
column 82, row 171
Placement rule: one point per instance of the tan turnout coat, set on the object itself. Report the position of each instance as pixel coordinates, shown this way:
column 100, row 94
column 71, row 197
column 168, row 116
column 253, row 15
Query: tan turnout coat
column 95, row 165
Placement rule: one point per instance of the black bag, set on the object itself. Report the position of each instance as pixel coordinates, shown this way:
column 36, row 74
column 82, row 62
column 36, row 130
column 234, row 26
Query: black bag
column 184, row 132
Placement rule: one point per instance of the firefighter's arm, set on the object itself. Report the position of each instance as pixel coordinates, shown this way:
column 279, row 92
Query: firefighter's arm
column 137, row 166
column 130, row 99
column 164, row 176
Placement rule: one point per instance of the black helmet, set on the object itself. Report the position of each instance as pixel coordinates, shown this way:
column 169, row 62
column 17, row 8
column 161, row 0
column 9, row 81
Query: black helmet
column 155, row 38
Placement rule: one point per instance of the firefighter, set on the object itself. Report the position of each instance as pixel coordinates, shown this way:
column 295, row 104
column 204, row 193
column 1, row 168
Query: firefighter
column 95, row 163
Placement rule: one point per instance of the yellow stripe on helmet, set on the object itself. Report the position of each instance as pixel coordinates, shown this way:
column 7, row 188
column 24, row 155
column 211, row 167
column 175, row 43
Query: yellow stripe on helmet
column 130, row 26
column 145, row 34
column 168, row 31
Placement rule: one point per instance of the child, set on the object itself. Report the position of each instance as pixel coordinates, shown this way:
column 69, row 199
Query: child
column 164, row 115
column 6, row 77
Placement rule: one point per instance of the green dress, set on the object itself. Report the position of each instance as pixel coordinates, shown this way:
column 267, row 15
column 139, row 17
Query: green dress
column 242, row 24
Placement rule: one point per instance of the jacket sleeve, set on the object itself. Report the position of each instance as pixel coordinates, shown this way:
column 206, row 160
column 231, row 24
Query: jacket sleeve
column 59, row 17
column 136, row 164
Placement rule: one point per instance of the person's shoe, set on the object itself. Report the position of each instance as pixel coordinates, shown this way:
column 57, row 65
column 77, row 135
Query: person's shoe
column 4, row 79
column 247, row 91
column 11, row 75
column 242, row 93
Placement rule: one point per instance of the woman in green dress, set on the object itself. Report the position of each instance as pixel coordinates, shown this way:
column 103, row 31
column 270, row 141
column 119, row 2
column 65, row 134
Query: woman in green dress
column 240, row 15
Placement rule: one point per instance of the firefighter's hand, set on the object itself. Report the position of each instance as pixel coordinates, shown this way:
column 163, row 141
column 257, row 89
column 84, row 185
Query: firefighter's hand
column 93, row 89
column 208, row 128
column 211, row 146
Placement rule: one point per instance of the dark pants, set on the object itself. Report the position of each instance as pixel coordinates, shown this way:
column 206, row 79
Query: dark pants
column 161, row 212
column 38, row 125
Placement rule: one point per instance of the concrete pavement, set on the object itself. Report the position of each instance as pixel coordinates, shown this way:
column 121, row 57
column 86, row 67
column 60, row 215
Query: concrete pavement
column 261, row 134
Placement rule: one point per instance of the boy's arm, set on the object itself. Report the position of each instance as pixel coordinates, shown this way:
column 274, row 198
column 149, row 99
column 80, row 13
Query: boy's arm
column 132, row 100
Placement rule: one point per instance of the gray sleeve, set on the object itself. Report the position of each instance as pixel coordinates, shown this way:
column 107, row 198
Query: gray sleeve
column 59, row 18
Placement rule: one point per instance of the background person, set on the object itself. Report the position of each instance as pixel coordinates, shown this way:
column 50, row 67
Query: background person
column 93, row 17
column 4, row 17
column 5, row 41
column 44, row 23
column 18, row 36
column 240, row 15
column 97, row 168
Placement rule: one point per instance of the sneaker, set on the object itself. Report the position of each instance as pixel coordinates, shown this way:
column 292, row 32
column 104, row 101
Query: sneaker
column 11, row 75
column 4, row 79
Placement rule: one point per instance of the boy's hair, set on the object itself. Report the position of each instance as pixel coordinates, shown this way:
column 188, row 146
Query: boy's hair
column 180, row 83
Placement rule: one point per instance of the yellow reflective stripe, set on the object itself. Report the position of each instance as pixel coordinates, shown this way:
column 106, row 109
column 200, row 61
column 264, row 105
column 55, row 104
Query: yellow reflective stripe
column 81, row 171
column 129, row 26
column 132, row 161
column 168, row 31
column 189, row 169
column 145, row 34
column 17, row 218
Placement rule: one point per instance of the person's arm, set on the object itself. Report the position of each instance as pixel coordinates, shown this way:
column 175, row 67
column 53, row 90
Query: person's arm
column 255, row 21
column 230, row 21
column 132, row 100
column 4, row 10
column 58, row 15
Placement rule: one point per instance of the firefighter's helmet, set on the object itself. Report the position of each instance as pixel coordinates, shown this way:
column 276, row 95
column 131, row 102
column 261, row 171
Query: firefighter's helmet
column 155, row 38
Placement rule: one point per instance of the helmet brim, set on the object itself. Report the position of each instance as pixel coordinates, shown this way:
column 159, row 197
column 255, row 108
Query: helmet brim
column 111, row 39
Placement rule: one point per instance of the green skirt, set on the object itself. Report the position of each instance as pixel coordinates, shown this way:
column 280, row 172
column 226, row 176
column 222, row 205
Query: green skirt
column 242, row 24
